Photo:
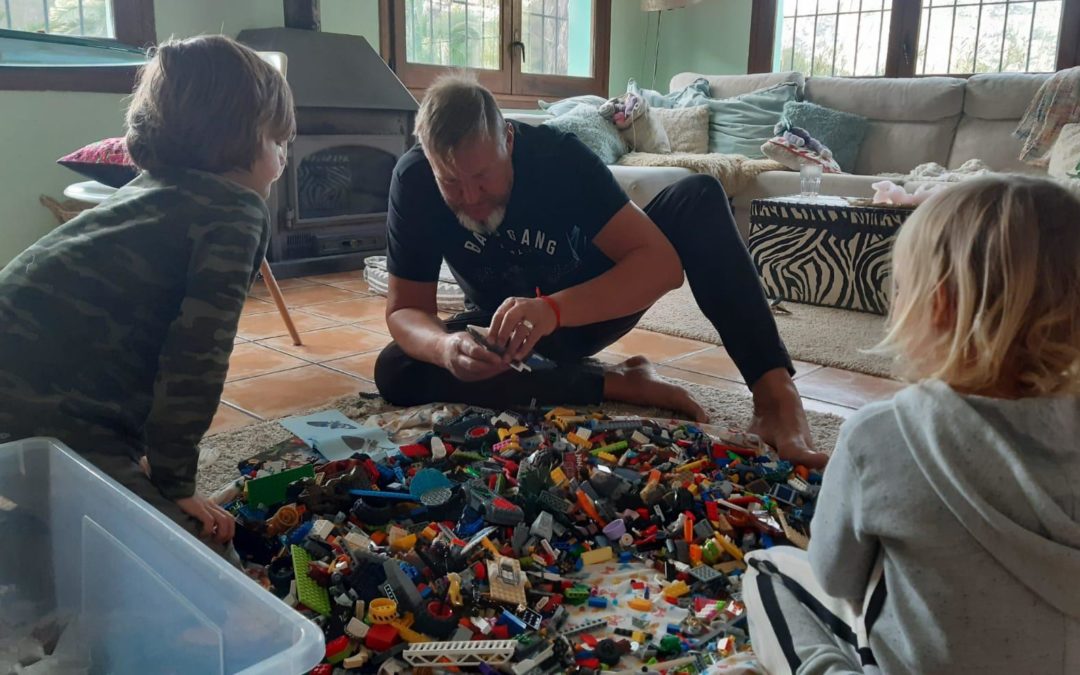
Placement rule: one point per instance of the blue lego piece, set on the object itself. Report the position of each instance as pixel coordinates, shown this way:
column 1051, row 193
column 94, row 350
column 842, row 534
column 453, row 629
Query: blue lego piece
column 625, row 557
column 300, row 533
column 598, row 601
column 515, row 625
column 766, row 541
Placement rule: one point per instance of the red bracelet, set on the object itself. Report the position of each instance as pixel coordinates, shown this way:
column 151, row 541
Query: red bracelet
column 553, row 305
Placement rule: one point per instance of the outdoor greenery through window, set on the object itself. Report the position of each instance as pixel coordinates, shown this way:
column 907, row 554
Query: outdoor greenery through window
column 852, row 37
column 458, row 33
column 518, row 48
column 968, row 36
column 90, row 18
column 835, row 37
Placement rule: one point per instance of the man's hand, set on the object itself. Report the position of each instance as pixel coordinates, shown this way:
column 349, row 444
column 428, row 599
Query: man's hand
column 468, row 361
column 217, row 523
column 518, row 325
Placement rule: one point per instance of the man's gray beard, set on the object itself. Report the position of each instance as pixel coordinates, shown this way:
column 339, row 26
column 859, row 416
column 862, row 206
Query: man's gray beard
column 488, row 226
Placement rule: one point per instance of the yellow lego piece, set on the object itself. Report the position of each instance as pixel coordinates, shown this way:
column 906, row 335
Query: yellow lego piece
column 558, row 476
column 640, row 604
column 578, row 441
column 676, row 589
column 406, row 543
column 406, row 632
column 515, row 431
column 490, row 547
column 692, row 466
column 559, row 412
column 729, row 546
column 597, row 555
column 608, row 457
column 638, row 636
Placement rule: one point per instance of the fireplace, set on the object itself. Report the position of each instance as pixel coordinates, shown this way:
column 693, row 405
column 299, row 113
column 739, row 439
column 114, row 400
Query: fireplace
column 354, row 119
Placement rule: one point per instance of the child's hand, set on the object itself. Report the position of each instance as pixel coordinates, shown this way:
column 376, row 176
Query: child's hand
column 218, row 524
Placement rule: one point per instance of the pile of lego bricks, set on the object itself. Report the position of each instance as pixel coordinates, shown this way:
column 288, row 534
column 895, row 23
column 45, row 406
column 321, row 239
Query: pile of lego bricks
column 525, row 542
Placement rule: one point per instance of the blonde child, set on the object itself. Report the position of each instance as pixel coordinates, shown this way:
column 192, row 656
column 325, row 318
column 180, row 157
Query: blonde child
column 118, row 325
column 947, row 532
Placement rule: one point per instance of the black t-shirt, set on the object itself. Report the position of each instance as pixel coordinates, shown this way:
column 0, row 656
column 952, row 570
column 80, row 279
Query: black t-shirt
column 562, row 196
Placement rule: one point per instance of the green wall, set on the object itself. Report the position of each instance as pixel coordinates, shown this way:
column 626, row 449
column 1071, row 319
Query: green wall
column 39, row 127
column 712, row 38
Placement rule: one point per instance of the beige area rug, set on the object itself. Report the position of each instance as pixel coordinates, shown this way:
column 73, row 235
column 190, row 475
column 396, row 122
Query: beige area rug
column 821, row 335
column 220, row 453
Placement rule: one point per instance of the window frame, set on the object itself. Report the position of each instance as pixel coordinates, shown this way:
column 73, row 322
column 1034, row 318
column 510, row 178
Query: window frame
column 900, row 59
column 511, row 86
column 134, row 27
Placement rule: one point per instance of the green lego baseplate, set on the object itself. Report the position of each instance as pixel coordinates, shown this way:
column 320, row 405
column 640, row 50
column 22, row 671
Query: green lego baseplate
column 270, row 490
column 310, row 594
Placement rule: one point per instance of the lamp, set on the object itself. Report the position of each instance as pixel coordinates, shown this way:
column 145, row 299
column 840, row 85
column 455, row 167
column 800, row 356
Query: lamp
column 659, row 6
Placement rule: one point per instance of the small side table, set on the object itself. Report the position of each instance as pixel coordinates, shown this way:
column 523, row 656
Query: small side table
column 93, row 193
column 829, row 251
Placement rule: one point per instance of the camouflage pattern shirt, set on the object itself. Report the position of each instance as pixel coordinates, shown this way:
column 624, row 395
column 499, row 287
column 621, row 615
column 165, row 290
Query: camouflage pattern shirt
column 117, row 326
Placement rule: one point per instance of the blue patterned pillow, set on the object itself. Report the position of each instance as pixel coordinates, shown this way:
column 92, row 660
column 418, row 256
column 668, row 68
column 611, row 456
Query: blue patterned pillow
column 840, row 131
column 598, row 134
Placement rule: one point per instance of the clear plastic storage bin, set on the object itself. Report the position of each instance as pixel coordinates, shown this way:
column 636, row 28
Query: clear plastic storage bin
column 135, row 592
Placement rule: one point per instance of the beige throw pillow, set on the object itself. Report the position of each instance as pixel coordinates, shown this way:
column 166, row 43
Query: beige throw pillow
column 687, row 128
column 1065, row 153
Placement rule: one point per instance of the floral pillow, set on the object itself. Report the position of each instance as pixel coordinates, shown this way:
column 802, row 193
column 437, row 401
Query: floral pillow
column 106, row 161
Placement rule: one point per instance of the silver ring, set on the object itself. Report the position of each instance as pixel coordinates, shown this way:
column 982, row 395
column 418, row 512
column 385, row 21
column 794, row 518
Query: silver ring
column 528, row 324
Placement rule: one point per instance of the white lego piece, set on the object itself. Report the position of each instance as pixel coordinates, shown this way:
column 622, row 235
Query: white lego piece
column 465, row 653
column 321, row 529
column 357, row 541
column 438, row 448
column 583, row 432
column 639, row 438
column 508, row 419
column 356, row 629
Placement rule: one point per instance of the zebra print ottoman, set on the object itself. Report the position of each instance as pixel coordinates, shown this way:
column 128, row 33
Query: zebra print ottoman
column 825, row 252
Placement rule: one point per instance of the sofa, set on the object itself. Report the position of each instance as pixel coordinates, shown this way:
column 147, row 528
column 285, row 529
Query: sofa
column 911, row 121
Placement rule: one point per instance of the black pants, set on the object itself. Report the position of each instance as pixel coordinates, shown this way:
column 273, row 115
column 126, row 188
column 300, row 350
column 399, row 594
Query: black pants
column 696, row 217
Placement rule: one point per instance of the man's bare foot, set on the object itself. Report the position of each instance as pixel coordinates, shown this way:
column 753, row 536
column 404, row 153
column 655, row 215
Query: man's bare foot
column 780, row 420
column 636, row 381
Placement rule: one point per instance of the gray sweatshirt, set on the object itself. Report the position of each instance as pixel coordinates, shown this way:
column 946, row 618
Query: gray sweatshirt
column 974, row 504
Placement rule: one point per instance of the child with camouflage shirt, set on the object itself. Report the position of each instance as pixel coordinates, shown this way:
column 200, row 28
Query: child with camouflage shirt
column 118, row 325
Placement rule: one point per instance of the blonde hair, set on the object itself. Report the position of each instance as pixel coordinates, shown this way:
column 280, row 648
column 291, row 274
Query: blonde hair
column 1002, row 254
column 205, row 103
column 457, row 108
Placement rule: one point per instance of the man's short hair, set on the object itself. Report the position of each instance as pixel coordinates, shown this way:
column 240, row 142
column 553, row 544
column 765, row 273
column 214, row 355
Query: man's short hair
column 205, row 103
column 456, row 108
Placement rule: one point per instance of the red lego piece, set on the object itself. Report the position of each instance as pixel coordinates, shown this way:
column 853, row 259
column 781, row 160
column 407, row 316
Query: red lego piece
column 592, row 662
column 589, row 640
column 336, row 646
column 712, row 511
column 415, row 451
column 323, row 669
column 381, row 636
column 500, row 632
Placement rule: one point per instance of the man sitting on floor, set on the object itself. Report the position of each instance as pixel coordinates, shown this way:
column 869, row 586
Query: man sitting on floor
column 552, row 255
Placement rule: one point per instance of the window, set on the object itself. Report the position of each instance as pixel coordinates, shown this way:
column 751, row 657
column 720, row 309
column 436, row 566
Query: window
column 898, row 38
column 88, row 18
column 520, row 49
column 102, row 22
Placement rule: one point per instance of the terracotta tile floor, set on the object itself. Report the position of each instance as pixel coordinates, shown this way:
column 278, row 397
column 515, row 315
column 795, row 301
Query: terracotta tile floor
column 343, row 329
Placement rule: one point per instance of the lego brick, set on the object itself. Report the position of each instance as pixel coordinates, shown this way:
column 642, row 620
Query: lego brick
column 270, row 490
column 309, row 593
column 597, row 556
column 469, row 653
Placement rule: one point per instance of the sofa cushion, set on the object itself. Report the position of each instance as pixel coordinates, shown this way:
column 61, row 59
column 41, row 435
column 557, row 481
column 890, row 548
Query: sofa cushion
column 1001, row 96
column 676, row 98
column 841, row 132
column 992, row 142
column 1065, row 154
column 598, row 134
column 921, row 99
column 739, row 125
column 898, row 147
column 726, row 86
column 687, row 128
column 642, row 183
column 565, row 105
